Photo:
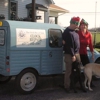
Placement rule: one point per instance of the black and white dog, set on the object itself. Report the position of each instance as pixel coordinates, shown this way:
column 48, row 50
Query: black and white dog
column 76, row 77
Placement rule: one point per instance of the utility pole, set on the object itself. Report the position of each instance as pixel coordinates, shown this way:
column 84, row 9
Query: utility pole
column 33, row 11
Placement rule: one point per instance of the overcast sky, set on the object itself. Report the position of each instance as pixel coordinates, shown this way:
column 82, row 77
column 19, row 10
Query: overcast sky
column 83, row 8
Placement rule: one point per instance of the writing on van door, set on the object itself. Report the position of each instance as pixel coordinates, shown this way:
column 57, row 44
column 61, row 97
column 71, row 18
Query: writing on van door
column 30, row 37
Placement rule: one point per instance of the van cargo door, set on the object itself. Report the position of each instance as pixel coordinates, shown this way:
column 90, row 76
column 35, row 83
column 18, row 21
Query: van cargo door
column 52, row 59
column 3, row 31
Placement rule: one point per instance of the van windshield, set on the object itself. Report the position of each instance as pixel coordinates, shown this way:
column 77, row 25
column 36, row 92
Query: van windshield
column 2, row 33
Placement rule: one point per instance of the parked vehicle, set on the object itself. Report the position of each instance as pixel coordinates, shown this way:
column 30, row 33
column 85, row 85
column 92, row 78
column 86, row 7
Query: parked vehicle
column 96, row 56
column 29, row 49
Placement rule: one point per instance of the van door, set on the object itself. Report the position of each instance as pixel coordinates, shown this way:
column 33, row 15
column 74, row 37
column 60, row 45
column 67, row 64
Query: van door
column 3, row 31
column 52, row 58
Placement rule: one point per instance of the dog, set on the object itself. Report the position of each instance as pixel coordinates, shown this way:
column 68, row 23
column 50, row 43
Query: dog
column 90, row 70
column 76, row 77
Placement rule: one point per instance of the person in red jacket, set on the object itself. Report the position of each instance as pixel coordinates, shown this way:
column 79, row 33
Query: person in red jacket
column 85, row 38
column 85, row 41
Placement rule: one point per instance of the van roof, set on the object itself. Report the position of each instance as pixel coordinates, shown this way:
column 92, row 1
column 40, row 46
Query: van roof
column 24, row 24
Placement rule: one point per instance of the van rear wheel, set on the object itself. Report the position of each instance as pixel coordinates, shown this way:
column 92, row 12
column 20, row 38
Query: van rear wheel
column 4, row 79
column 26, row 81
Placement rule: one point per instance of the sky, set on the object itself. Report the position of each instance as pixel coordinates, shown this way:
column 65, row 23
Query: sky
column 87, row 9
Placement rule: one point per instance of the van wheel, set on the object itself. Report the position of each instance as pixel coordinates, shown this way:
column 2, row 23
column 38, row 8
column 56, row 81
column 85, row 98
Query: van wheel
column 4, row 79
column 26, row 81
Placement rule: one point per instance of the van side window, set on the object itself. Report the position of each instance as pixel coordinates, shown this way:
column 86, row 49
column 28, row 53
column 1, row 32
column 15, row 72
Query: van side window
column 2, row 33
column 55, row 38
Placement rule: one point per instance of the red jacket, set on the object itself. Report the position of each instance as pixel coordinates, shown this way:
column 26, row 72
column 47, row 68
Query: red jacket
column 85, row 41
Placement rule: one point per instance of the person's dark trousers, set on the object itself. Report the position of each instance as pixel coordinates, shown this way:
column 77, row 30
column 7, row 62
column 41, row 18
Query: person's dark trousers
column 85, row 60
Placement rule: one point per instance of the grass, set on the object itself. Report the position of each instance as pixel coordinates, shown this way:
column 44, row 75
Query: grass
column 97, row 35
column 97, row 39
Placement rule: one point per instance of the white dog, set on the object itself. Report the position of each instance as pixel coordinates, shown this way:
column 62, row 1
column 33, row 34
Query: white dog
column 89, row 70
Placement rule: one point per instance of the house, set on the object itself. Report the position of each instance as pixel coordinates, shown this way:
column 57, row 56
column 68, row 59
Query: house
column 22, row 10
column 15, row 9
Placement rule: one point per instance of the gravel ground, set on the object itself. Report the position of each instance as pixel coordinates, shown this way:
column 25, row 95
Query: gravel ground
column 48, row 89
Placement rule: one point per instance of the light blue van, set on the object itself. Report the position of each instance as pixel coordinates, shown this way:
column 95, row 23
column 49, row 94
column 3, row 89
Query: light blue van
column 29, row 49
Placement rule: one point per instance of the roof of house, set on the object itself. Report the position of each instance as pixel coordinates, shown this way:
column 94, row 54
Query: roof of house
column 36, row 5
column 57, row 9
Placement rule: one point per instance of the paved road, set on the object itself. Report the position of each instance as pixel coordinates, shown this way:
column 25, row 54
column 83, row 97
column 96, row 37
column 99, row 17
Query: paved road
column 48, row 89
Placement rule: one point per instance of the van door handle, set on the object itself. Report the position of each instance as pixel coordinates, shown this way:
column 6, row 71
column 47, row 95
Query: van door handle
column 50, row 54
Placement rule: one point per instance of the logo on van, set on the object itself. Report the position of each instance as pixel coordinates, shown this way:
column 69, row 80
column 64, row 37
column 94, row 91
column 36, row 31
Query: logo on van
column 21, row 34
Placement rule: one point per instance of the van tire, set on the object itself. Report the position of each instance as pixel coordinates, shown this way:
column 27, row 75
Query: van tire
column 26, row 81
column 4, row 79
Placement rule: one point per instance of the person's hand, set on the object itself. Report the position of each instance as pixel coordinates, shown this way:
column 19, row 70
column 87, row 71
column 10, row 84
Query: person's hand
column 73, row 58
